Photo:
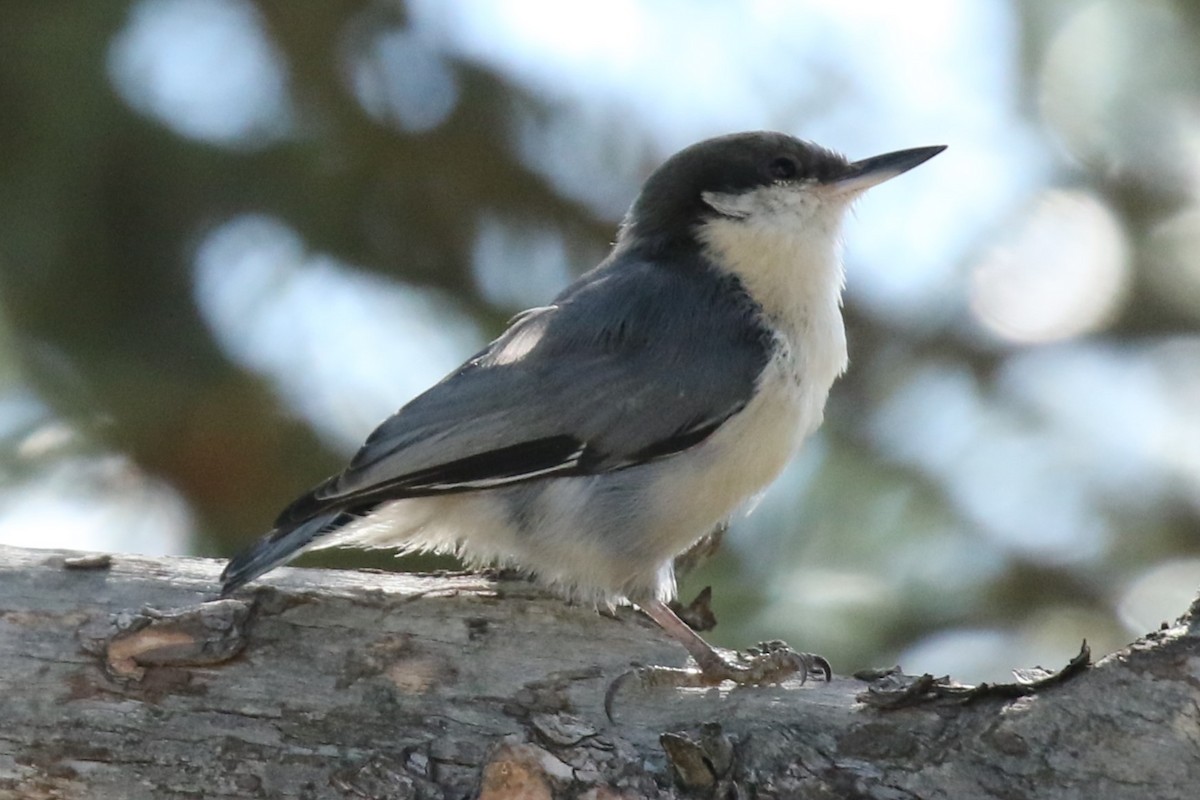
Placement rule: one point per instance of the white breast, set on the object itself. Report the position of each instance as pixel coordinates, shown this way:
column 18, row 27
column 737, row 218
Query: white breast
column 785, row 251
column 708, row 483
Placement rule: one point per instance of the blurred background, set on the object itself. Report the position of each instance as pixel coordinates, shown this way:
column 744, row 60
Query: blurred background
column 237, row 234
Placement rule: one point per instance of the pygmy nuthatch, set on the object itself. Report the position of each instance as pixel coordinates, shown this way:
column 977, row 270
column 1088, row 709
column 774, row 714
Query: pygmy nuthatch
column 601, row 435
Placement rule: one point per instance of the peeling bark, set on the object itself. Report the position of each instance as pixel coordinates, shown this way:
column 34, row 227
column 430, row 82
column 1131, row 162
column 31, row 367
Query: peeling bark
column 119, row 678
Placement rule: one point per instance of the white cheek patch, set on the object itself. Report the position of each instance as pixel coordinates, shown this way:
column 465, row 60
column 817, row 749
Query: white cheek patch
column 737, row 206
column 776, row 201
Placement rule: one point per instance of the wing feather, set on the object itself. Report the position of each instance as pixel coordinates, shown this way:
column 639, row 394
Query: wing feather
column 631, row 364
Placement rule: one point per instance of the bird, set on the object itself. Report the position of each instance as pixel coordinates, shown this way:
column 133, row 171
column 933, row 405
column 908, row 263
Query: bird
column 603, row 434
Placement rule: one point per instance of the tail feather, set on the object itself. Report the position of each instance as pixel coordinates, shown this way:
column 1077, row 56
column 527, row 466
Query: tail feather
column 277, row 547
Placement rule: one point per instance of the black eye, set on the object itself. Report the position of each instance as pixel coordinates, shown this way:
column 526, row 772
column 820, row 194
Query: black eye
column 783, row 169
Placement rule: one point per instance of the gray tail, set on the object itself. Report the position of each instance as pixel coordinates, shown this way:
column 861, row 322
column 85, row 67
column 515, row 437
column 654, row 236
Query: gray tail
column 279, row 546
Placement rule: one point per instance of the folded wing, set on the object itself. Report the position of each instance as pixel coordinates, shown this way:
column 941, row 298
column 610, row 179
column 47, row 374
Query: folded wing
column 629, row 365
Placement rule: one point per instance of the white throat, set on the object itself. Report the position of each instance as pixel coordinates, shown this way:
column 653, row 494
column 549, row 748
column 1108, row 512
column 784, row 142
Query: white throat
column 783, row 242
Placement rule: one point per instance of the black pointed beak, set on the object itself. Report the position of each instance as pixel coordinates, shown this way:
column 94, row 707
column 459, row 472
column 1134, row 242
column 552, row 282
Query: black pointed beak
column 862, row 175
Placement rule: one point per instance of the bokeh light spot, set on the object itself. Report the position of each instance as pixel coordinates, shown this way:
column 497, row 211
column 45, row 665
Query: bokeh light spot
column 401, row 80
column 1110, row 71
column 206, row 69
column 1158, row 594
column 1063, row 271
column 343, row 347
column 518, row 266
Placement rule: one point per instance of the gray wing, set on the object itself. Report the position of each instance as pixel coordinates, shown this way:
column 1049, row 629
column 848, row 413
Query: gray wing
column 632, row 363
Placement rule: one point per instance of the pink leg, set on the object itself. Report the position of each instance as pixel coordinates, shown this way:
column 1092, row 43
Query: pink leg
column 708, row 659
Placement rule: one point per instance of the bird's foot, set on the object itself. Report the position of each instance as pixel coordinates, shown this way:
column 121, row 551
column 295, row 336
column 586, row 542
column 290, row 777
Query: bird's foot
column 768, row 663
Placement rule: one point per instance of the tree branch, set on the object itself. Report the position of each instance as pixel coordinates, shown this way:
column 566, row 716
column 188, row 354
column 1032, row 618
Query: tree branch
column 361, row 684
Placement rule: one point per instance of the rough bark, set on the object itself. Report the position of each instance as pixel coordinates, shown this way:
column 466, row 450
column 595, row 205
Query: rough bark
column 355, row 684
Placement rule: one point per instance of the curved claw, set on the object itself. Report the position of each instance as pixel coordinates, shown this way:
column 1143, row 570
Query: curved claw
column 610, row 694
column 772, row 662
column 651, row 677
